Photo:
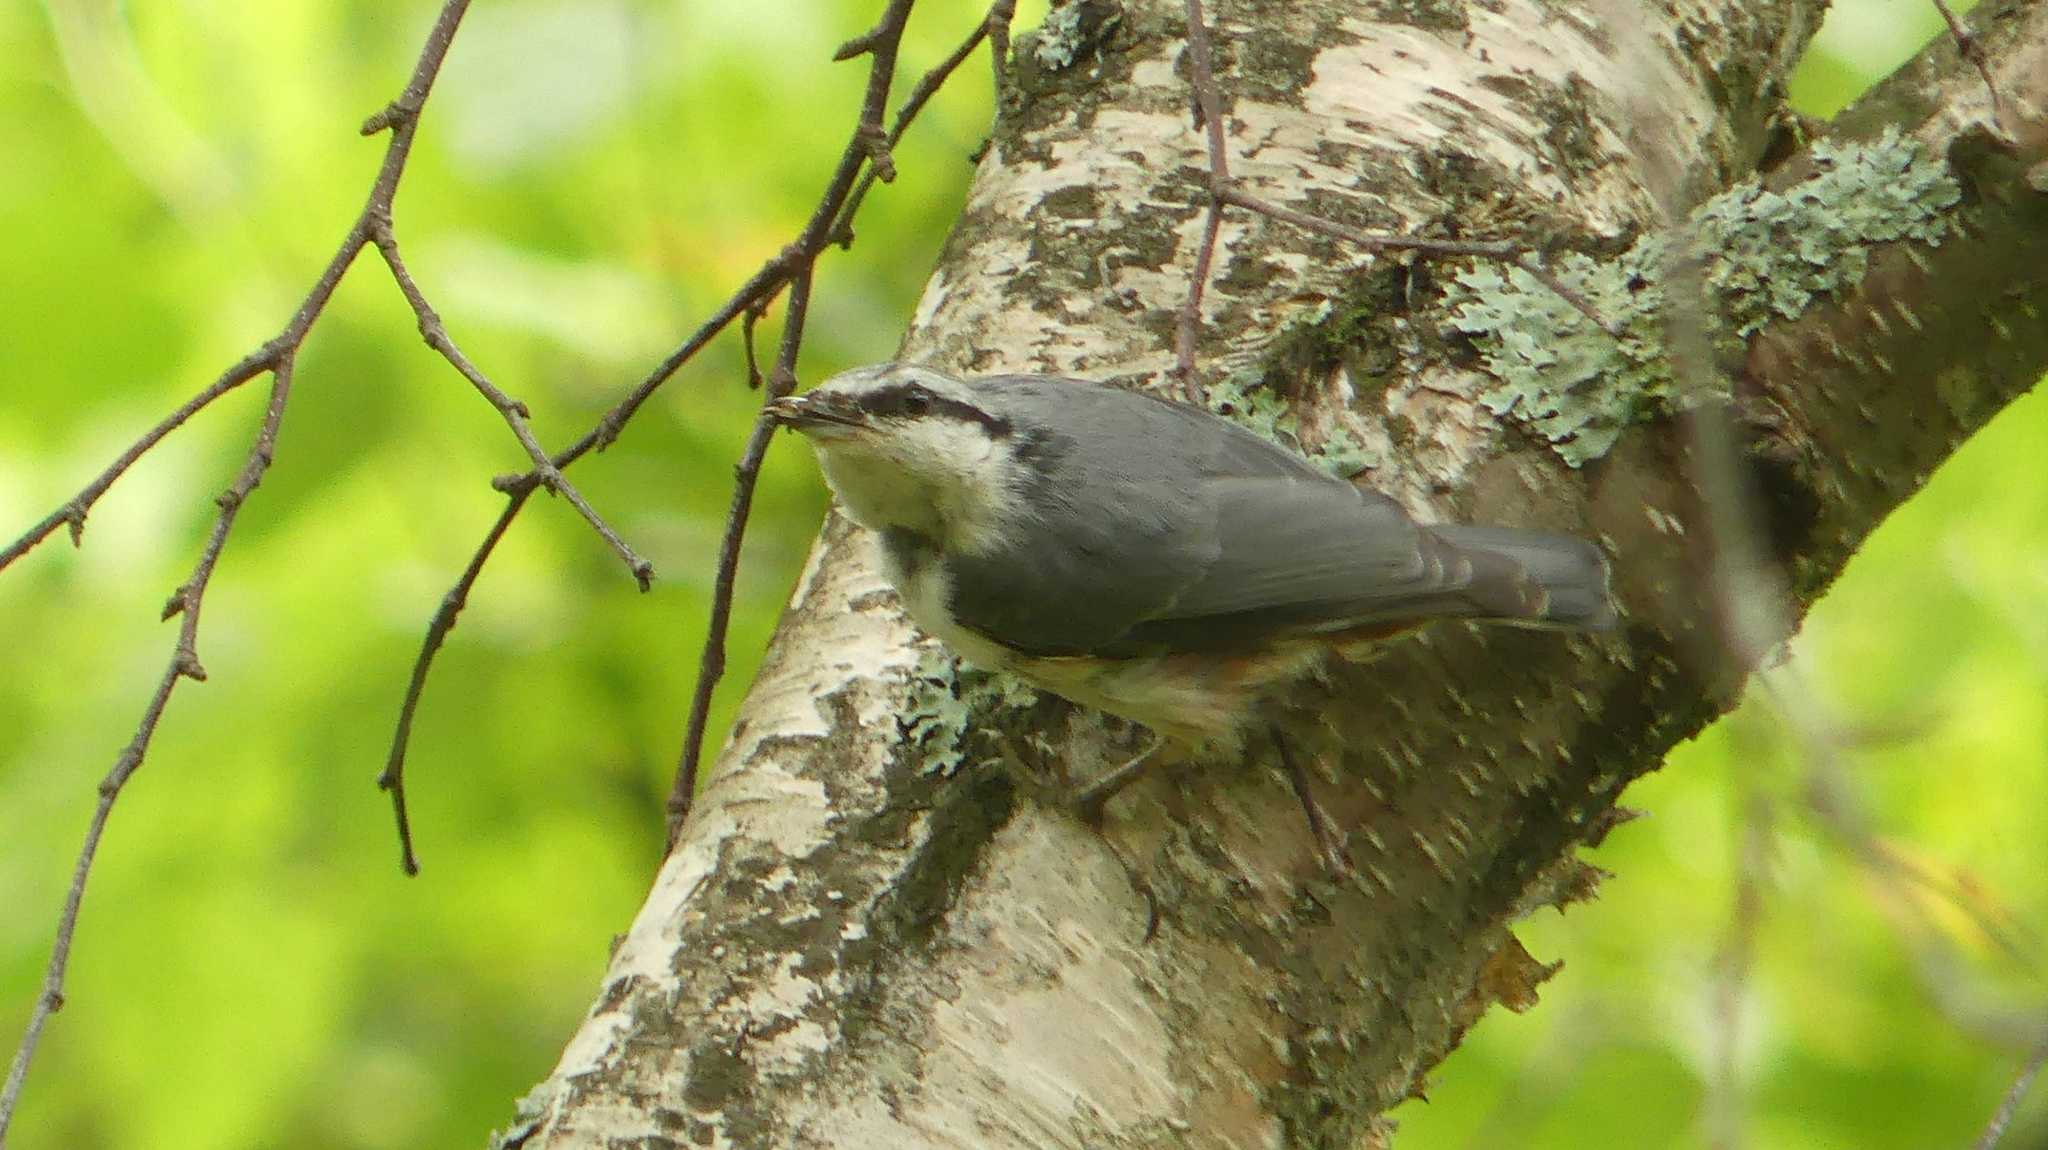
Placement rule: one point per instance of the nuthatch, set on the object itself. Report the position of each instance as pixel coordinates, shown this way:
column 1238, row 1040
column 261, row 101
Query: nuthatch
column 1148, row 558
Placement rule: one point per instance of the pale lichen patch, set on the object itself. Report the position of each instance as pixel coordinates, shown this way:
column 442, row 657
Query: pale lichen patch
column 1762, row 255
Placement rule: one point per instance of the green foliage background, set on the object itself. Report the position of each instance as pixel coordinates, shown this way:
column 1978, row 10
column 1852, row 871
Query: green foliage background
column 594, row 175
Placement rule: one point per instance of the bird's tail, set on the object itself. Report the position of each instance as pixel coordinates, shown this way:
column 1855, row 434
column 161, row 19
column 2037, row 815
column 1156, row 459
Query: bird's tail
column 1542, row 578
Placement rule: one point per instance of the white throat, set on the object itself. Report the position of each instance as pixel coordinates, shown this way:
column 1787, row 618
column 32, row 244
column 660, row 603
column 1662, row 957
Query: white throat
column 945, row 480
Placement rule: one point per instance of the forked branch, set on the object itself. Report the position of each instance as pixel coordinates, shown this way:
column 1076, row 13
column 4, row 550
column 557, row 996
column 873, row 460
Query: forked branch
column 276, row 358
column 1224, row 191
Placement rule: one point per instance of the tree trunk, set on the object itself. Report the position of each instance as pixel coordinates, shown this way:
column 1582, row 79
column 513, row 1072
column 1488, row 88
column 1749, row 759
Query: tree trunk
column 882, row 929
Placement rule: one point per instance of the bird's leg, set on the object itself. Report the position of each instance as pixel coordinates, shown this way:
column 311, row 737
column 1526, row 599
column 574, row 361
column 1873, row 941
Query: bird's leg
column 1090, row 800
column 1329, row 844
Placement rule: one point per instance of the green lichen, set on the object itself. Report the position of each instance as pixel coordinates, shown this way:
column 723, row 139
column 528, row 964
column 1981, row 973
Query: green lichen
column 1345, row 456
column 1553, row 370
column 1772, row 253
column 1245, row 398
column 948, row 699
column 1760, row 254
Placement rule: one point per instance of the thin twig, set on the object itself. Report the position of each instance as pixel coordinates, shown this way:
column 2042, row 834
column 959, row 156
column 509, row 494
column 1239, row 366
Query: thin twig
column 75, row 509
column 1755, row 610
column 998, row 24
column 1504, row 250
column 927, row 86
column 1191, row 310
column 1972, row 50
column 1204, row 72
column 1223, row 190
column 832, row 216
column 2009, row 1106
column 711, row 662
column 392, row 780
column 1735, row 963
column 1373, row 241
column 1561, row 290
column 513, row 411
column 803, row 254
column 1203, row 77
column 758, row 291
column 186, row 601
column 747, row 323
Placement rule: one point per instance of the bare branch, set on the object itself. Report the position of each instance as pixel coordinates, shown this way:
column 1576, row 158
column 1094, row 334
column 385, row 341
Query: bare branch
column 1203, row 77
column 830, row 223
column 392, row 779
column 184, row 664
column 75, row 509
column 759, row 290
column 2009, row 1106
column 277, row 356
column 747, row 323
column 1224, row 190
column 998, row 25
column 816, row 236
column 711, row 664
column 1191, row 310
column 1734, row 964
column 1972, row 50
column 514, row 412
column 927, row 86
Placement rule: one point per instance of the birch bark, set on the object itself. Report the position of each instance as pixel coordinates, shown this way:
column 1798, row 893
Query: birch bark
column 880, row 929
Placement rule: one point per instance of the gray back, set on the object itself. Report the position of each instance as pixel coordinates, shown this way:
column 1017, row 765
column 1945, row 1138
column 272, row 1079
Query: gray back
column 1158, row 527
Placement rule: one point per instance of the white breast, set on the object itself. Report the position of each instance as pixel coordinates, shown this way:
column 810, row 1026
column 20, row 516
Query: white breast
column 925, row 590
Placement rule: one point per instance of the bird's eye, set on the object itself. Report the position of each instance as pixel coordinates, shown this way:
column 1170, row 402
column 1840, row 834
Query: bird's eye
column 917, row 402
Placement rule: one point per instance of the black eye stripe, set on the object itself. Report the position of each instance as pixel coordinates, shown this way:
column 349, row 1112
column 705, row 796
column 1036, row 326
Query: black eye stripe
column 910, row 399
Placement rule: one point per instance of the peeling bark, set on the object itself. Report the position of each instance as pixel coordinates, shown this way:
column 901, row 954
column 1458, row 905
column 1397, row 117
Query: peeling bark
column 880, row 929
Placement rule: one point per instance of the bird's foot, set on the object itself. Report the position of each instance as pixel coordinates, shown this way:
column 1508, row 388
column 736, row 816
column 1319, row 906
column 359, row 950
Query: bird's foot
column 1090, row 801
column 1329, row 842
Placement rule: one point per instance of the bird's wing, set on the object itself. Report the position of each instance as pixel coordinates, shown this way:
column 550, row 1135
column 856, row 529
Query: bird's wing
column 1179, row 531
column 1112, row 564
column 1304, row 555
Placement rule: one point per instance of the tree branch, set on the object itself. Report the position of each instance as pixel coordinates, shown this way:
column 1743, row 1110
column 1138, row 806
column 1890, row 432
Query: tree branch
column 1223, row 190
column 75, row 509
column 855, row 889
column 831, row 222
column 276, row 357
column 2009, row 1106
column 514, row 412
column 186, row 601
column 1973, row 51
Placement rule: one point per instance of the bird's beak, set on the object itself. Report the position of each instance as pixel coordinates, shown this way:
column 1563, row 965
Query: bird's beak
column 815, row 411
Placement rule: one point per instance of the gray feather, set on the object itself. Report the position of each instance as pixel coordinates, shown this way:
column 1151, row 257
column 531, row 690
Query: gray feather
column 1177, row 530
column 1571, row 571
column 1077, row 590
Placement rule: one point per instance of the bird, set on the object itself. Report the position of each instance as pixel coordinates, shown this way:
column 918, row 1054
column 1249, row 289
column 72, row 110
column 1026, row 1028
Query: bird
column 1150, row 558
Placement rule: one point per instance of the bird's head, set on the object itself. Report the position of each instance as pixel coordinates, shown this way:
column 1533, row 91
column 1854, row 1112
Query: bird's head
column 909, row 448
